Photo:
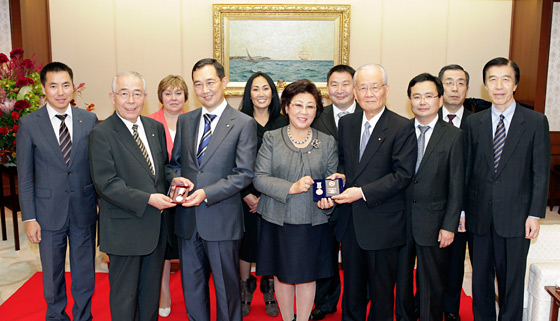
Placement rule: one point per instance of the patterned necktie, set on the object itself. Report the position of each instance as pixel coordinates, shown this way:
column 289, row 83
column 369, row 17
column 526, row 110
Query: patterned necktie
column 64, row 139
column 451, row 117
column 421, row 143
column 499, row 140
column 142, row 147
column 365, row 139
column 205, row 139
column 342, row 113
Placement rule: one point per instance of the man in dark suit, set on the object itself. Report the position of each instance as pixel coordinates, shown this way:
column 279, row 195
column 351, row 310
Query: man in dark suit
column 128, row 158
column 455, row 87
column 508, row 164
column 433, row 203
column 340, row 87
column 377, row 158
column 56, row 194
column 215, row 148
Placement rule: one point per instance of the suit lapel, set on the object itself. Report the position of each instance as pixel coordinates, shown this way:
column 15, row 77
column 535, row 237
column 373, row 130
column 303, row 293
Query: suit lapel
column 77, row 133
column 153, row 140
column 225, row 124
column 193, row 122
column 437, row 134
column 123, row 134
column 514, row 134
column 487, row 137
column 375, row 140
column 355, row 138
column 329, row 123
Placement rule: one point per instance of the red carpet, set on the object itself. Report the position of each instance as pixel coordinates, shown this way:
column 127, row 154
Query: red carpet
column 28, row 304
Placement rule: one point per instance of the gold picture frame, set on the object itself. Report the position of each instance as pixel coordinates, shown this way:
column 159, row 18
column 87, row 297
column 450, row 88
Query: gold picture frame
column 288, row 42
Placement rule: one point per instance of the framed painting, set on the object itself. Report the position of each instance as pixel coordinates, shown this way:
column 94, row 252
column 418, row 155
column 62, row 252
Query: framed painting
column 288, row 42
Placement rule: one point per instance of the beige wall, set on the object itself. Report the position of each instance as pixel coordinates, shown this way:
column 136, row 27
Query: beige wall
column 102, row 37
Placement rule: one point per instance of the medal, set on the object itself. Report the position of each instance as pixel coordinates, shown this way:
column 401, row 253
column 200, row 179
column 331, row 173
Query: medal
column 319, row 190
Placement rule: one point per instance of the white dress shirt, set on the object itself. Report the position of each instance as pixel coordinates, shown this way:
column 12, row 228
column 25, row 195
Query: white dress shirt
column 372, row 122
column 458, row 116
column 337, row 110
column 56, row 122
column 428, row 133
column 218, row 112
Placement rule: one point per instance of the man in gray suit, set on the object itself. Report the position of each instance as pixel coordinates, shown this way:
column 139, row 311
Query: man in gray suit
column 56, row 193
column 128, row 158
column 214, row 150
column 433, row 202
column 340, row 86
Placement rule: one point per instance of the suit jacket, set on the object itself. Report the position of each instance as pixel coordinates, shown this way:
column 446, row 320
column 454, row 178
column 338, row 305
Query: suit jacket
column 123, row 180
column 48, row 188
column 385, row 170
column 434, row 199
column 278, row 161
column 519, row 187
column 325, row 122
column 466, row 114
column 227, row 168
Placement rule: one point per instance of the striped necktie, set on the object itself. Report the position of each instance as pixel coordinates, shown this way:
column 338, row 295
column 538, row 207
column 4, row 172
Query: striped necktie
column 142, row 147
column 499, row 140
column 205, row 139
column 64, row 139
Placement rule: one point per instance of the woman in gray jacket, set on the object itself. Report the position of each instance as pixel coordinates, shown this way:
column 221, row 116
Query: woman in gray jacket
column 294, row 241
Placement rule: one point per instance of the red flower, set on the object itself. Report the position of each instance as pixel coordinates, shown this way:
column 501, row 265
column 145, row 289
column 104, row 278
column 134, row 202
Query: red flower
column 21, row 105
column 3, row 130
column 24, row 81
column 14, row 143
column 27, row 63
column 3, row 58
column 15, row 115
column 16, row 53
column 15, row 129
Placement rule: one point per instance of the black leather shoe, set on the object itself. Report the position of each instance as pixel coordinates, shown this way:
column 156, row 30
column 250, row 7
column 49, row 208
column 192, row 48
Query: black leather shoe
column 319, row 314
column 452, row 316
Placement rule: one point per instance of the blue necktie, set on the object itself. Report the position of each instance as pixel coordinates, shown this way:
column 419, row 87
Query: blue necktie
column 365, row 139
column 499, row 140
column 205, row 139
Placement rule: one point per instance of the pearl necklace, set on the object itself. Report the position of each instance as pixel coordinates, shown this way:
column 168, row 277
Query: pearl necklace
column 296, row 142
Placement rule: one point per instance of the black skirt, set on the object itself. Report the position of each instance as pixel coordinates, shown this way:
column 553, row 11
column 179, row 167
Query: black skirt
column 294, row 253
column 248, row 251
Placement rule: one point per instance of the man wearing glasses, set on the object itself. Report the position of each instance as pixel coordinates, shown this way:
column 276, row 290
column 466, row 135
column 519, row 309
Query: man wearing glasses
column 377, row 158
column 127, row 159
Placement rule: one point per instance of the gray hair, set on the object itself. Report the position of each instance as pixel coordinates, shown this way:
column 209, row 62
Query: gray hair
column 134, row 73
column 372, row 67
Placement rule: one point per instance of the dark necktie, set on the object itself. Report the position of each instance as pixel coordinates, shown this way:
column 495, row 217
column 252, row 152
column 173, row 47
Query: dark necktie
column 64, row 139
column 421, row 143
column 499, row 140
column 451, row 117
column 142, row 147
column 365, row 139
column 205, row 139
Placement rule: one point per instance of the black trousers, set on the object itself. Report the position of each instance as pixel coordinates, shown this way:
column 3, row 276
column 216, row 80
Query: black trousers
column 327, row 292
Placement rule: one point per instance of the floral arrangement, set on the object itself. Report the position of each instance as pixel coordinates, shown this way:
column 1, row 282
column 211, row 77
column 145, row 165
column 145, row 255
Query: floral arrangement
column 20, row 94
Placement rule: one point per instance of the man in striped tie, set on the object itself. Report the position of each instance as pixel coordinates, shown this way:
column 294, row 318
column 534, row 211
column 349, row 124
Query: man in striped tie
column 508, row 163
column 215, row 148
column 56, row 194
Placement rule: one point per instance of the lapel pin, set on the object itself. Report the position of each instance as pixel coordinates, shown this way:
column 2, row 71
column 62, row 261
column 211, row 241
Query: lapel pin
column 80, row 121
column 379, row 138
column 153, row 135
column 227, row 126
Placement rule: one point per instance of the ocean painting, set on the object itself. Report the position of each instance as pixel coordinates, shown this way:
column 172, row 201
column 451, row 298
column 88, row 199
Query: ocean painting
column 285, row 49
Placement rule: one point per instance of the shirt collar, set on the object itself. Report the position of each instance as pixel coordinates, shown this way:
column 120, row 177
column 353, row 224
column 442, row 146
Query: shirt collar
column 350, row 109
column 129, row 124
column 374, row 120
column 432, row 124
column 458, row 114
column 508, row 113
column 218, row 111
column 52, row 112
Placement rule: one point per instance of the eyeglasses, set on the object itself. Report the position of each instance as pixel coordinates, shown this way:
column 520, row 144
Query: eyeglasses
column 210, row 84
column 374, row 88
column 125, row 94
column 426, row 97
column 299, row 107
column 459, row 84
